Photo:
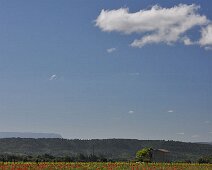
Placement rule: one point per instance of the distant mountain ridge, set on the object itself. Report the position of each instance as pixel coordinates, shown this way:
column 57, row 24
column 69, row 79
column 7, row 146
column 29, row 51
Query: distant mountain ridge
column 28, row 135
column 209, row 143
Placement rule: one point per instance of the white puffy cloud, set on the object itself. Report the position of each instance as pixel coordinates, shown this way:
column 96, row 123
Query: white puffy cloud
column 53, row 77
column 110, row 50
column 206, row 39
column 156, row 25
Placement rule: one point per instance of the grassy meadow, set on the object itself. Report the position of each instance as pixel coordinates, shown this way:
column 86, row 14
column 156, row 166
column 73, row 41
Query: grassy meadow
column 103, row 166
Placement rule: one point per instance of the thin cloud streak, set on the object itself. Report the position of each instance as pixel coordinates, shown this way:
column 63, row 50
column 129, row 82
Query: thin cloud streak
column 170, row 111
column 134, row 74
column 208, row 48
column 131, row 112
column 207, row 122
column 195, row 136
column 180, row 133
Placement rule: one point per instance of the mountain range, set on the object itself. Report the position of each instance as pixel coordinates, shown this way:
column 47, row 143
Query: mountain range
column 28, row 135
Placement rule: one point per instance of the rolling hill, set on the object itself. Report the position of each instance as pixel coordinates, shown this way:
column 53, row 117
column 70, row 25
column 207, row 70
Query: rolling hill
column 117, row 149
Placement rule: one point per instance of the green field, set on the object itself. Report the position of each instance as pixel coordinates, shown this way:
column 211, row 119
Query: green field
column 103, row 166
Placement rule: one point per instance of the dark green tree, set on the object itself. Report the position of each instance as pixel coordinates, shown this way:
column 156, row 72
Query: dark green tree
column 144, row 155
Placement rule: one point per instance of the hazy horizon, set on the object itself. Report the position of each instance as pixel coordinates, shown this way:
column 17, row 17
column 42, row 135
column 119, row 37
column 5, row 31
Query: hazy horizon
column 57, row 135
column 107, row 69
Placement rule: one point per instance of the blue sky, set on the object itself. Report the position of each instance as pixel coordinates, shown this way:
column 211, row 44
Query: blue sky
column 71, row 68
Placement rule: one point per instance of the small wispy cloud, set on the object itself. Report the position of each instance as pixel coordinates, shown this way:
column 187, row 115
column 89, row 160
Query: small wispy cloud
column 170, row 111
column 207, row 122
column 131, row 112
column 187, row 41
column 195, row 136
column 206, row 39
column 134, row 74
column 210, row 132
column 110, row 50
column 53, row 77
column 180, row 133
column 208, row 48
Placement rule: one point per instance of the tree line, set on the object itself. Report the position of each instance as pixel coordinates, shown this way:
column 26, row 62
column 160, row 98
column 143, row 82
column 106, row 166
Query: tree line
column 142, row 155
column 51, row 158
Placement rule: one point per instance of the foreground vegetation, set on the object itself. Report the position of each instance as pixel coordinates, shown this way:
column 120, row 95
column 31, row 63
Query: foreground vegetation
column 103, row 166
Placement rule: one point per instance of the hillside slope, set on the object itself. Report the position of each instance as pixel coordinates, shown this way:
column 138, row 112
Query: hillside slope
column 120, row 149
